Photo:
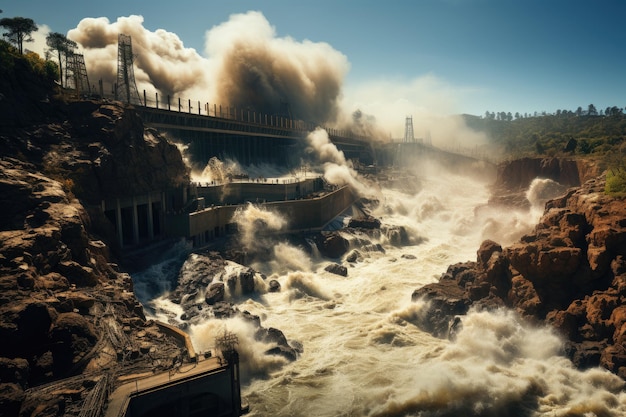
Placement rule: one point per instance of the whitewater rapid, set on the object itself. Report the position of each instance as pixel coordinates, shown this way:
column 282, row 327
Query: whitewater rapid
column 363, row 354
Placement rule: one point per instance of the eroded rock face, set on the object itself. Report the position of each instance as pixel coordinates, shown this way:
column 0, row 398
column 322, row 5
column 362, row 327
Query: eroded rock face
column 56, row 281
column 515, row 177
column 569, row 272
column 101, row 150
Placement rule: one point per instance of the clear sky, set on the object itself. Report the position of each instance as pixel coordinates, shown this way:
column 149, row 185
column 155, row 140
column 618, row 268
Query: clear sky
column 481, row 55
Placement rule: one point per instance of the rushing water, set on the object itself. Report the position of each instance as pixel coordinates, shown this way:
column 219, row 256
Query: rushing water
column 363, row 354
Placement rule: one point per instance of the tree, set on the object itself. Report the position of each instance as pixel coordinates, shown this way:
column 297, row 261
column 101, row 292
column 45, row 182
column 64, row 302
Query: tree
column 19, row 30
column 58, row 42
column 591, row 111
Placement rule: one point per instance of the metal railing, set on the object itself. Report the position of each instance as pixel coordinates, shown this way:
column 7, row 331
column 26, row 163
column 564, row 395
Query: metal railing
column 243, row 115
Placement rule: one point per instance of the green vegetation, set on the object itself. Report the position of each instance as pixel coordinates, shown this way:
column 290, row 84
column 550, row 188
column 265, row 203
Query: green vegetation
column 551, row 135
column 600, row 136
column 11, row 59
column 616, row 182
column 64, row 47
column 18, row 30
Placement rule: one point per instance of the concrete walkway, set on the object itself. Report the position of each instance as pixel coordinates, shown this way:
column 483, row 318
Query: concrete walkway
column 120, row 398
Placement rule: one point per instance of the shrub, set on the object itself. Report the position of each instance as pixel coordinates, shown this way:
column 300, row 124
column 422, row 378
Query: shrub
column 615, row 182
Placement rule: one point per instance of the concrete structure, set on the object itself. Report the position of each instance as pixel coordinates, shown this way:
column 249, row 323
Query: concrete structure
column 244, row 135
column 259, row 191
column 142, row 218
column 205, row 386
column 304, row 214
column 208, row 387
column 204, row 212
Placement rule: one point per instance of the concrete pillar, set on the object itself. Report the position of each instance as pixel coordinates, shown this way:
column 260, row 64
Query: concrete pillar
column 135, row 222
column 150, row 218
column 118, row 222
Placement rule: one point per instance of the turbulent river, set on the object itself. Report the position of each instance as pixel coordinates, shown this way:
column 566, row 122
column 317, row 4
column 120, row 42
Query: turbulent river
column 363, row 354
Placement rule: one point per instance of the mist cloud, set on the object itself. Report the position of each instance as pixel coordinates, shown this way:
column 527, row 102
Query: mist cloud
column 161, row 60
column 253, row 68
column 247, row 66
column 337, row 170
column 428, row 99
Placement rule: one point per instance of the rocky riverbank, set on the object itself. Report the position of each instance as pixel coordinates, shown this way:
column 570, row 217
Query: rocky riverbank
column 570, row 272
column 68, row 315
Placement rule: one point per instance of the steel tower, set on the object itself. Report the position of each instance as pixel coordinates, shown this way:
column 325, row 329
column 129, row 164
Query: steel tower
column 126, row 88
column 76, row 74
column 408, row 130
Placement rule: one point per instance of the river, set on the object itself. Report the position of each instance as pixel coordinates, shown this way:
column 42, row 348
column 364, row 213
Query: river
column 364, row 355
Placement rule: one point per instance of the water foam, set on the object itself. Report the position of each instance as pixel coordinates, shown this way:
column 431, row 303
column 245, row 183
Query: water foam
column 364, row 353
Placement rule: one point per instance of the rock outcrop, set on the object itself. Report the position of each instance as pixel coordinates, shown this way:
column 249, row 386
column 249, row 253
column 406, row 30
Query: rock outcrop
column 208, row 286
column 65, row 308
column 514, row 177
column 98, row 151
column 569, row 272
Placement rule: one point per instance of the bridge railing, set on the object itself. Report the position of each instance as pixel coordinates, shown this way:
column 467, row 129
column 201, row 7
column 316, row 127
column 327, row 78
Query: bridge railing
column 244, row 115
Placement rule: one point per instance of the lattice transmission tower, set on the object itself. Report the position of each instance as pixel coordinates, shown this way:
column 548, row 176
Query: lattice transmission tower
column 126, row 88
column 76, row 74
column 408, row 130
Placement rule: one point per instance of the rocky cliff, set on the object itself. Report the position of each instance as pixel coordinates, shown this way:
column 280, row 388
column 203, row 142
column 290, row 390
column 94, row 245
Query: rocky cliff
column 68, row 316
column 514, row 177
column 570, row 272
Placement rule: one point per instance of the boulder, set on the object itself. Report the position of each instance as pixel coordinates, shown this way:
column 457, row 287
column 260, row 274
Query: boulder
column 367, row 222
column 246, row 280
column 332, row 244
column 72, row 338
column 223, row 309
column 337, row 269
column 285, row 351
column 486, row 250
column 215, row 293
column 446, row 299
column 11, row 398
column 353, row 256
column 274, row 286
column 397, row 235
column 15, row 371
column 78, row 274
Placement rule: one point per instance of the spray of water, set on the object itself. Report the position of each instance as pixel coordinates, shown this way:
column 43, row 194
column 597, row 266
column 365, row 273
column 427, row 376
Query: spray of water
column 247, row 66
column 254, row 363
column 254, row 221
column 337, row 170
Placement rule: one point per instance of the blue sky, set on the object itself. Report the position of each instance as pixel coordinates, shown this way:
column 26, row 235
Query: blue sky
column 495, row 55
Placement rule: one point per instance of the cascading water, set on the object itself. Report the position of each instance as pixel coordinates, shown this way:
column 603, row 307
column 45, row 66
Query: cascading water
column 363, row 354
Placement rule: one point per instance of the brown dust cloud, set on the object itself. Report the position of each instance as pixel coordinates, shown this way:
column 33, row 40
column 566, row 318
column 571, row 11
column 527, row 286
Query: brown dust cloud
column 245, row 65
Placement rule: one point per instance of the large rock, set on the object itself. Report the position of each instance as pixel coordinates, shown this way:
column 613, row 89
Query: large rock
column 332, row 244
column 367, row 222
column 569, row 272
column 337, row 269
column 215, row 293
column 72, row 337
column 57, row 285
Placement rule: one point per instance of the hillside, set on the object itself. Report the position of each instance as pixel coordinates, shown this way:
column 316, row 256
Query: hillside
column 550, row 135
column 68, row 315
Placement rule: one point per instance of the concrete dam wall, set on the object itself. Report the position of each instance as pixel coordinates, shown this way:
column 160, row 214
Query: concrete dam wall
column 306, row 214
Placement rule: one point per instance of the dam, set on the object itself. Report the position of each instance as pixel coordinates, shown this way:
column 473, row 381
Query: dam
column 203, row 212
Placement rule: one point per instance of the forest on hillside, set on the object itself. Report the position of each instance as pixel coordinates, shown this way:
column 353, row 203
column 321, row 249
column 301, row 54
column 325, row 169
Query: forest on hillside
column 566, row 134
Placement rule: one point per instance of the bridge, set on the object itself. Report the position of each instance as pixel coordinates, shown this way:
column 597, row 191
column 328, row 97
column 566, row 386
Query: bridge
column 250, row 137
